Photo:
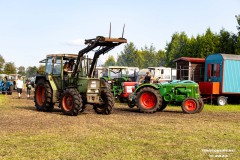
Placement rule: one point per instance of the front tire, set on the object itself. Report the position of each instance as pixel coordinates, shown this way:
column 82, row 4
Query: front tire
column 201, row 105
column 148, row 100
column 43, row 96
column 107, row 104
column 71, row 102
column 190, row 106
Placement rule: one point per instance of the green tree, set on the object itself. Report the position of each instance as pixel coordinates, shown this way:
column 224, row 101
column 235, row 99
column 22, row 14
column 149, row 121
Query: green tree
column 178, row 47
column 237, row 44
column 110, row 61
column 41, row 69
column 226, row 42
column 193, row 48
column 160, row 58
column 208, row 43
column 238, row 21
column 31, row 71
column 10, row 68
column 149, row 56
column 2, row 61
column 129, row 56
column 21, row 71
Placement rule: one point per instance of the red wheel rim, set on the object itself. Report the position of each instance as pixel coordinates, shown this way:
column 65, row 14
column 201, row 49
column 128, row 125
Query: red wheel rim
column 40, row 95
column 190, row 105
column 148, row 100
column 67, row 102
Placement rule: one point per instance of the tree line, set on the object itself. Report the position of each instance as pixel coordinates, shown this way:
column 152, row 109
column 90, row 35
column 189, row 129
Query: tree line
column 10, row 68
column 180, row 46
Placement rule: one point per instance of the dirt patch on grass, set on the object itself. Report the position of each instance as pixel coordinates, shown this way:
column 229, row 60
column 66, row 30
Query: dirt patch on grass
column 21, row 114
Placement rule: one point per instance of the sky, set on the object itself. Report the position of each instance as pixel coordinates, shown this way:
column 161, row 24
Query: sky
column 31, row 29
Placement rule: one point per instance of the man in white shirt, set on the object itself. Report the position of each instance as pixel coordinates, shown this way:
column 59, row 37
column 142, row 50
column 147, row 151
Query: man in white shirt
column 19, row 84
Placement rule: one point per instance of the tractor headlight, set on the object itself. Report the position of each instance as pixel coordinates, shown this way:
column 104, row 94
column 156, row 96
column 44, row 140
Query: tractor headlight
column 93, row 91
column 93, row 84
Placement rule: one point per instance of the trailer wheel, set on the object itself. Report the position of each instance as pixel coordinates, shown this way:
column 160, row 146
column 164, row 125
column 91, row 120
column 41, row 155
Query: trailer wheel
column 148, row 100
column 71, row 102
column 43, row 96
column 107, row 104
column 190, row 106
column 200, row 105
column 221, row 101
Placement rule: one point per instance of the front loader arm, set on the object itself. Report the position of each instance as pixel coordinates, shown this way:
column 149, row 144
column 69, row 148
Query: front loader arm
column 107, row 44
column 96, row 56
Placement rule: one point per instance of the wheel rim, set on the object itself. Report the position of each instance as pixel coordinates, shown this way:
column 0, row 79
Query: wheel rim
column 222, row 101
column 148, row 100
column 190, row 105
column 40, row 95
column 67, row 102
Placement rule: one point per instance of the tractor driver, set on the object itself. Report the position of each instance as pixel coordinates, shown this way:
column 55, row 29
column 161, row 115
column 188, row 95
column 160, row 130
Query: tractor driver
column 148, row 78
column 68, row 66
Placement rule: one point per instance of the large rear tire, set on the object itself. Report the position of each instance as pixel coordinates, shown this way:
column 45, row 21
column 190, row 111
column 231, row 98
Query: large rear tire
column 71, row 102
column 148, row 100
column 190, row 105
column 43, row 96
column 107, row 104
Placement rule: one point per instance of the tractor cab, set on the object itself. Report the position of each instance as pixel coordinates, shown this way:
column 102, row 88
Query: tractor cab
column 115, row 76
column 54, row 69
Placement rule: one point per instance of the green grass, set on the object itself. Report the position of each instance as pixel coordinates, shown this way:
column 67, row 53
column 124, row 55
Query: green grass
column 228, row 107
column 125, row 134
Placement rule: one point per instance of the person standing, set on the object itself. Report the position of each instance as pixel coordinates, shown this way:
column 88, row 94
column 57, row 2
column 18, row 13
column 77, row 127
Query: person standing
column 148, row 78
column 19, row 84
column 29, row 87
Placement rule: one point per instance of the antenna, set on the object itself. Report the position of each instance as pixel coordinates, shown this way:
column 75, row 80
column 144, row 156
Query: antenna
column 110, row 30
column 123, row 30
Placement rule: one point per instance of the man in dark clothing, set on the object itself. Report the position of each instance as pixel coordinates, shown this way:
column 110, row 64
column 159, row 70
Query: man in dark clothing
column 147, row 78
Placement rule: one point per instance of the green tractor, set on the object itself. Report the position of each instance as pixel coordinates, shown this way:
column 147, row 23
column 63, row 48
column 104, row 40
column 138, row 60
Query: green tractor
column 73, row 90
column 150, row 98
column 115, row 76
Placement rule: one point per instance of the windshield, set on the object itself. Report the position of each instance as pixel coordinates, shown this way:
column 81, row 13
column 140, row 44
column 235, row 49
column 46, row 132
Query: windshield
column 116, row 72
column 53, row 65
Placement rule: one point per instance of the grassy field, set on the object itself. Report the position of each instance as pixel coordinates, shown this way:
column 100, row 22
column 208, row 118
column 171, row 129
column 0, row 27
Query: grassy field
column 125, row 134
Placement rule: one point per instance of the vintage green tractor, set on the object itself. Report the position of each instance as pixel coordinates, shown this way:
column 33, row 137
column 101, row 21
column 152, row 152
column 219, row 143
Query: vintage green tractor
column 72, row 91
column 150, row 98
column 114, row 76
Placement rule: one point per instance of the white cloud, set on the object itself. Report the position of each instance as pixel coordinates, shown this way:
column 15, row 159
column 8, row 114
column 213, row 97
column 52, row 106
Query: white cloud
column 76, row 42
